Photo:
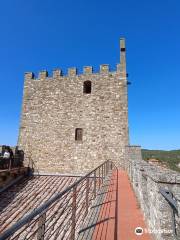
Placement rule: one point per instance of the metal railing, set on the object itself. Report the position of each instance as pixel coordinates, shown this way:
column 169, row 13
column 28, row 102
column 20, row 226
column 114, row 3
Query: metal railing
column 9, row 164
column 61, row 216
column 168, row 195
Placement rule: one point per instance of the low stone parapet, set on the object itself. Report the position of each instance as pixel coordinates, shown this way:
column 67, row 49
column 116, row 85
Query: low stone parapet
column 8, row 176
column 149, row 182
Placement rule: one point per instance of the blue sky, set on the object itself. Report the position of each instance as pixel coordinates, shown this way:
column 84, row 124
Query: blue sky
column 46, row 34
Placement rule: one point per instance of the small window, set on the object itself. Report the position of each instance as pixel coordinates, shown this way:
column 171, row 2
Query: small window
column 78, row 134
column 87, row 87
column 123, row 49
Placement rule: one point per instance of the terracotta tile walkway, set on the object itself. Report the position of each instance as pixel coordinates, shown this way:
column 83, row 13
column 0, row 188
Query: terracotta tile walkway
column 129, row 215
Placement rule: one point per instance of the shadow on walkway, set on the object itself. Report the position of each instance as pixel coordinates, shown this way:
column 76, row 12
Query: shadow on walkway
column 115, row 214
column 102, row 213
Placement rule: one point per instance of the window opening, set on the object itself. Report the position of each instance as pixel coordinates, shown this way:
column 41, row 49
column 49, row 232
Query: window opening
column 87, row 87
column 78, row 134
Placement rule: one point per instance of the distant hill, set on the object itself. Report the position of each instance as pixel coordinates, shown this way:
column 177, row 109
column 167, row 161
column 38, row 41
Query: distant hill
column 170, row 158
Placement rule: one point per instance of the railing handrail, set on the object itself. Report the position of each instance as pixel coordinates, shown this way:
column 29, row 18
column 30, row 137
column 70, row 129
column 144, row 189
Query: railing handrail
column 169, row 198
column 168, row 195
column 10, row 165
column 27, row 218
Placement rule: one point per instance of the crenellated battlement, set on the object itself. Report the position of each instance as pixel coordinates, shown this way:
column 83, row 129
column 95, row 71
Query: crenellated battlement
column 73, row 71
column 88, row 70
column 29, row 75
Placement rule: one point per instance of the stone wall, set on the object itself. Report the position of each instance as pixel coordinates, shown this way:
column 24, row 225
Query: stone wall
column 54, row 107
column 147, row 179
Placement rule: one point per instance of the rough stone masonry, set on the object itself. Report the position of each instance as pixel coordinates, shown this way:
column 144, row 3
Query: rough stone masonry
column 147, row 180
column 73, row 123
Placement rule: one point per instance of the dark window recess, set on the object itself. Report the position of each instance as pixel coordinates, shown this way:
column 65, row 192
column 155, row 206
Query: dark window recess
column 123, row 49
column 78, row 134
column 87, row 87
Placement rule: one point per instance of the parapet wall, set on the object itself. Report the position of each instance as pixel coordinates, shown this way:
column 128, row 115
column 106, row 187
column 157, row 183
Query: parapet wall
column 147, row 180
column 73, row 71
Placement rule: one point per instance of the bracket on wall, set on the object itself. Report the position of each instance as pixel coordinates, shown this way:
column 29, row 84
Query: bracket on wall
column 128, row 83
column 169, row 198
column 173, row 203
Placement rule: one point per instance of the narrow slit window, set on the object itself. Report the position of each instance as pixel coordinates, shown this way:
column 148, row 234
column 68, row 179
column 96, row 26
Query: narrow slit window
column 87, row 87
column 78, row 134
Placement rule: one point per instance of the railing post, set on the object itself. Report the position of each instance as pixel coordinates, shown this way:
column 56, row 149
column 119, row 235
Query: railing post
column 10, row 163
column 102, row 175
column 99, row 177
column 94, row 184
column 111, row 166
column 87, row 196
column 107, row 166
column 41, row 227
column 73, row 217
column 106, row 171
column 103, row 171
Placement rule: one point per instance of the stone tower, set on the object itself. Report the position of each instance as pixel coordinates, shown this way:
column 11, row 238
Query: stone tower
column 71, row 124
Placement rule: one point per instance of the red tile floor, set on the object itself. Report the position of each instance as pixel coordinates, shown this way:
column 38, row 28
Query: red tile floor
column 129, row 215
